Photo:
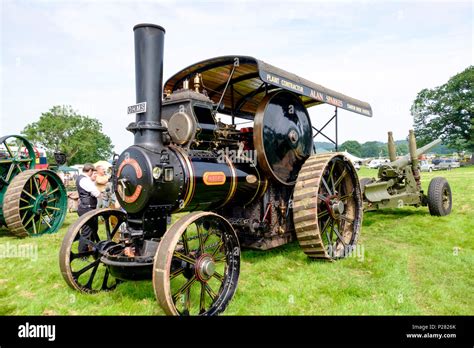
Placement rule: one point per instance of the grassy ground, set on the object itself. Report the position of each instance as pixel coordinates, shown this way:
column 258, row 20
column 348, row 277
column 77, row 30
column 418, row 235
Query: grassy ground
column 407, row 262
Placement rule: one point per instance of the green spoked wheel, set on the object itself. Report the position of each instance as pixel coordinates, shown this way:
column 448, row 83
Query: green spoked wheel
column 197, row 264
column 16, row 156
column 35, row 203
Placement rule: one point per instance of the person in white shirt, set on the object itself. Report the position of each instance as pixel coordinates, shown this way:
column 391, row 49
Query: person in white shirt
column 88, row 194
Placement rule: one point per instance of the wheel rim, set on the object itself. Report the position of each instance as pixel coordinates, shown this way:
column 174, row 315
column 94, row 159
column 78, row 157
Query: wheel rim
column 197, row 266
column 15, row 160
column 446, row 198
column 80, row 255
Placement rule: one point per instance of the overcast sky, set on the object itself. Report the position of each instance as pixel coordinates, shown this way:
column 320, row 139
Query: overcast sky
column 80, row 53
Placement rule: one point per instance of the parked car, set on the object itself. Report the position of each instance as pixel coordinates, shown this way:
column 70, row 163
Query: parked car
column 447, row 164
column 375, row 163
column 425, row 166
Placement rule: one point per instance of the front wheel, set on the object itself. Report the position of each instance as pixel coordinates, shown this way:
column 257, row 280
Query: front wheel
column 83, row 246
column 197, row 265
column 439, row 197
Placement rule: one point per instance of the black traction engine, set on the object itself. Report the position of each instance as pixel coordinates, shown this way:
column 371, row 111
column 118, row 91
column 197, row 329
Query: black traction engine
column 258, row 186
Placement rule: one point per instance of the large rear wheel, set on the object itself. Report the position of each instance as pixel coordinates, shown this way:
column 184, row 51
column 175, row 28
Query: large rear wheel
column 327, row 209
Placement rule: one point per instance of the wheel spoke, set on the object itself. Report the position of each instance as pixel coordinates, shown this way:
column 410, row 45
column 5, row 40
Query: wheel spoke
column 339, row 236
column 29, row 195
column 323, row 213
column 73, row 256
column 218, row 276
column 210, row 292
column 201, row 243
column 176, row 273
column 51, row 192
column 339, row 180
column 46, row 222
column 8, row 149
column 26, row 207
column 53, row 208
column 183, row 257
column 39, row 222
column 85, row 269
column 221, row 243
column 18, row 150
column 331, row 177
column 34, row 226
column 10, row 171
column 202, row 300
column 326, row 186
column 183, row 288
column 349, row 195
column 28, row 222
column 347, row 219
column 220, row 259
column 36, row 185
column 92, row 276
column 185, row 242
column 187, row 299
column 107, row 228
column 106, row 279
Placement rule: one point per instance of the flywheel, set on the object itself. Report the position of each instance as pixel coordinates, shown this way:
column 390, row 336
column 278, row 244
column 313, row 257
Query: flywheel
column 282, row 136
column 327, row 206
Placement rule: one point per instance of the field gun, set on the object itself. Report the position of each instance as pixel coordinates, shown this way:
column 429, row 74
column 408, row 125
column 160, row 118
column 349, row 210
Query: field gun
column 399, row 184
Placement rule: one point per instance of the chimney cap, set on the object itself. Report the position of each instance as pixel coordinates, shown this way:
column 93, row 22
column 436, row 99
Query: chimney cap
column 149, row 25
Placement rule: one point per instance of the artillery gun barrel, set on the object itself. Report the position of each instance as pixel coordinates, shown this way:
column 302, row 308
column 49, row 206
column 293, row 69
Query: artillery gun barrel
column 392, row 151
column 406, row 160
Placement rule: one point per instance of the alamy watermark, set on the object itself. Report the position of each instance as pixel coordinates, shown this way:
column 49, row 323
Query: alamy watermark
column 237, row 155
column 20, row 251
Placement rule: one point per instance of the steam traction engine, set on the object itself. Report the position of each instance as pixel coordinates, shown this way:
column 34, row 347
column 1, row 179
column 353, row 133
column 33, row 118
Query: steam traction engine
column 257, row 187
column 32, row 201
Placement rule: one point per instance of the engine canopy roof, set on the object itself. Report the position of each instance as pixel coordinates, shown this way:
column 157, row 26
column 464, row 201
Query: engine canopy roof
column 251, row 80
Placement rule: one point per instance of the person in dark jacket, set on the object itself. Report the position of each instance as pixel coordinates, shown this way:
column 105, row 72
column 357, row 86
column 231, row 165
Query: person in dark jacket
column 88, row 194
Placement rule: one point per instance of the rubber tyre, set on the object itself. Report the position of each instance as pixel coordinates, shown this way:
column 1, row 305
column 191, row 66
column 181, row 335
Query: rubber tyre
column 440, row 199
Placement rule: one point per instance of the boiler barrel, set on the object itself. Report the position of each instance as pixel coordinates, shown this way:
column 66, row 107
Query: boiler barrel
column 213, row 181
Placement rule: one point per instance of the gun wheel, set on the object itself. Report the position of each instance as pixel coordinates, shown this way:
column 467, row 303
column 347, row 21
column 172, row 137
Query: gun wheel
column 83, row 246
column 35, row 203
column 440, row 200
column 327, row 207
column 197, row 265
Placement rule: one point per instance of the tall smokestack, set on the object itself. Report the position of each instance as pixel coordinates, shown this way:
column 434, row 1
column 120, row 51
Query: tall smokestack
column 149, row 41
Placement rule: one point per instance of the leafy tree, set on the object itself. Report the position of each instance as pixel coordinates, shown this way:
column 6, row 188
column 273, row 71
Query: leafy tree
column 79, row 137
column 352, row 146
column 447, row 112
column 371, row 149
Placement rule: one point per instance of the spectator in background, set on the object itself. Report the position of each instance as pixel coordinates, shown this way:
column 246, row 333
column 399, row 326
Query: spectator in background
column 88, row 194
column 101, row 183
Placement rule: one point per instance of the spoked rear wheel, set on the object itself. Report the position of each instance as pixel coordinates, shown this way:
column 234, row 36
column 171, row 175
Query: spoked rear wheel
column 84, row 244
column 197, row 265
column 327, row 208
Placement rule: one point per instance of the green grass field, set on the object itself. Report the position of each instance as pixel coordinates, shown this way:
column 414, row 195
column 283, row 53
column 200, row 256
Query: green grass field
column 407, row 263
